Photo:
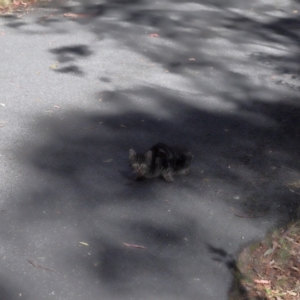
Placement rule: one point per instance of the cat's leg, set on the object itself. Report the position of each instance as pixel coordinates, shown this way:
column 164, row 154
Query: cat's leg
column 167, row 175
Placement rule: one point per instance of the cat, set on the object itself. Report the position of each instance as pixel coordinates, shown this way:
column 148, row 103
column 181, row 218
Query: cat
column 160, row 160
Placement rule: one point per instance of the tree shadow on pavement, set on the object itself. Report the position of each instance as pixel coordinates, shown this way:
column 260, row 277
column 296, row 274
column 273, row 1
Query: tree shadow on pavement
column 187, row 38
column 78, row 206
column 242, row 172
column 237, row 290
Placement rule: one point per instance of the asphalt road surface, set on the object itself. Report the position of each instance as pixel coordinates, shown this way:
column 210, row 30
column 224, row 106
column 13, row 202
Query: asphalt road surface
column 81, row 83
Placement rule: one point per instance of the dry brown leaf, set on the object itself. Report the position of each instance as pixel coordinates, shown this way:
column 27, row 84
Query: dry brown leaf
column 276, row 267
column 291, row 293
column 134, row 246
column 38, row 266
column 262, row 281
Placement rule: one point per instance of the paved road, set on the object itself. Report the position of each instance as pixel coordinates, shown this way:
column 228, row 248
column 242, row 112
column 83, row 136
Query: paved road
column 81, row 84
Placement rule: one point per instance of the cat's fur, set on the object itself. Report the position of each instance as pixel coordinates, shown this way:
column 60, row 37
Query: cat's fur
column 160, row 160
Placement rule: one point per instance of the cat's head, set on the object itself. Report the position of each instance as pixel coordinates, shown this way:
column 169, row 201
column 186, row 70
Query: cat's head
column 140, row 163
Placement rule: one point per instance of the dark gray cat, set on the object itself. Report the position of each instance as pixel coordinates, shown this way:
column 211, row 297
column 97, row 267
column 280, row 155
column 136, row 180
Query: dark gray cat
column 160, row 160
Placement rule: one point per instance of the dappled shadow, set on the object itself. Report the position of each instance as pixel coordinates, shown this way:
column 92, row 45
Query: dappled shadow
column 185, row 37
column 70, row 54
column 208, row 78
column 70, row 69
column 257, row 152
column 243, row 167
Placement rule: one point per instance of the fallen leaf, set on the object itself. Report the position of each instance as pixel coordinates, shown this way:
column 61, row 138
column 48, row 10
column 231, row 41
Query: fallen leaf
column 289, row 239
column 2, row 124
column 72, row 15
column 154, row 35
column 134, row 246
column 275, row 245
column 54, row 66
column 278, row 268
column 83, row 243
column 38, row 266
column 269, row 251
column 108, row 160
column 262, row 281
column 291, row 293
column 295, row 184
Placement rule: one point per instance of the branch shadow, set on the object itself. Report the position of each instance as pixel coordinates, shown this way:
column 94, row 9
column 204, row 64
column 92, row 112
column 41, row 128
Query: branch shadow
column 246, row 156
column 85, row 157
column 237, row 290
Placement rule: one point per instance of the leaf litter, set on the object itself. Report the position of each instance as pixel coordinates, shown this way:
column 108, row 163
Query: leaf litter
column 271, row 269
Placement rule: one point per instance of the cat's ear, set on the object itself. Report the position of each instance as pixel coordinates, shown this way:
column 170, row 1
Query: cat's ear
column 148, row 155
column 132, row 154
